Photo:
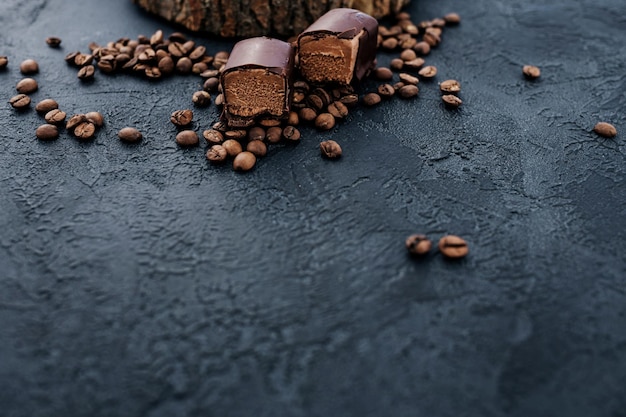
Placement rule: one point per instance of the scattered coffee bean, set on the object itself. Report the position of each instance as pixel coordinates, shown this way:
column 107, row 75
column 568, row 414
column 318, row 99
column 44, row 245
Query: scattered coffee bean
column 85, row 130
column 350, row 100
column 83, row 59
column 390, row 44
column 396, row 64
column 47, row 132
column 213, row 137
column 294, row 118
column 95, row 117
column 211, row 84
column 75, row 120
column 53, row 42
column 219, row 100
column 55, row 117
column 166, row 65
column 450, row 86
column 256, row 133
column 452, row 19
column 605, row 129
column 408, row 78
column 428, row 71
column 257, row 147
column 184, row 65
column 451, row 100
column 235, row 134
column 371, row 99
column 20, row 101
column 182, row 118
column 315, row 102
column 408, row 91
column 330, row 149
column 431, row 39
column 325, row 121
column 274, row 134
column 422, row 48
column 397, row 86
column 69, row 58
column 220, row 126
column 414, row 64
column 453, row 247
column 201, row 98
column 233, row 147
column 244, row 161
column 87, row 72
column 26, row 86
column 29, row 66
column 531, row 72
column 130, row 134
column 4, row 61
column 270, row 122
column 418, row 245
column 307, row 114
column 216, row 154
column 187, row 138
column 338, row 109
column 408, row 55
column 383, row 73
column 45, row 105
column 292, row 134
column 386, row 90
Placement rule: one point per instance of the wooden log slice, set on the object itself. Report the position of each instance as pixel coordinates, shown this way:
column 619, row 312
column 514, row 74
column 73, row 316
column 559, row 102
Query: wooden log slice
column 245, row 18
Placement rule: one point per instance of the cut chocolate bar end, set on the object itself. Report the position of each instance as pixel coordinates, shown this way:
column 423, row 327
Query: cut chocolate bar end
column 256, row 81
column 338, row 47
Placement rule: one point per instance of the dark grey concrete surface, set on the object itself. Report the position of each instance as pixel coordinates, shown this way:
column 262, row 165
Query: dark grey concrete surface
column 141, row 281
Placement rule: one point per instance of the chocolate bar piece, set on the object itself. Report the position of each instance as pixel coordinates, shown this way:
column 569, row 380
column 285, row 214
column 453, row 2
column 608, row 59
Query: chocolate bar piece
column 256, row 81
column 339, row 46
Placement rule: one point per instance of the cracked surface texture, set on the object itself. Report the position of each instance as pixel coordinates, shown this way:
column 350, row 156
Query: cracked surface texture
column 138, row 280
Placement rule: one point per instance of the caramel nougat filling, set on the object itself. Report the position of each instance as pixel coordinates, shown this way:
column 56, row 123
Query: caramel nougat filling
column 327, row 58
column 254, row 92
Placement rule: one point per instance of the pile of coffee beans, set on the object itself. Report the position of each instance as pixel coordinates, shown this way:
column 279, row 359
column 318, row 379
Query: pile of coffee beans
column 450, row 246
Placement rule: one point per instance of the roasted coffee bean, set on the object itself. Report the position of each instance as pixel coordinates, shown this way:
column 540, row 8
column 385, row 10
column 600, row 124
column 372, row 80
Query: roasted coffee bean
column 152, row 73
column 325, row 121
column 414, row 64
column 55, row 117
column 293, row 134
column 450, row 86
column 216, row 154
column 213, row 137
column 298, row 97
column 270, row 122
column 147, row 56
column 293, row 119
column 182, row 117
column 390, row 44
column 397, row 86
column 330, row 149
column 130, row 134
column 244, row 161
column 422, row 48
column 210, row 73
column 128, row 65
column 383, row 74
column 431, row 39
column 337, row 109
column 45, row 105
column 86, row 73
column 29, row 66
column 307, row 114
column 83, row 59
column 220, row 126
column 428, row 71
column 143, row 40
column 408, row 78
column 408, row 91
column 314, row 101
column 211, row 84
column 274, row 134
column 302, row 86
column 199, row 68
column 47, row 132
column 156, row 38
column 75, row 120
column 219, row 100
column 453, row 247
column 177, row 37
column 183, row 66
column 201, row 98
column 531, row 72
column 408, row 55
column 256, row 133
column 187, row 138
column 69, row 58
column 451, row 100
column 220, row 59
column 452, row 19
column 85, row 130
column 95, row 117
column 237, row 134
column 257, row 147
column 53, row 42
column 20, row 101
column 197, row 53
column 350, row 100
column 386, row 90
column 107, row 65
column 396, row 64
column 176, row 49
column 605, row 129
column 408, row 43
column 166, row 65
column 371, row 99
column 233, row 147
column 438, row 22
column 4, row 61
column 26, row 86
column 188, row 46
column 418, row 245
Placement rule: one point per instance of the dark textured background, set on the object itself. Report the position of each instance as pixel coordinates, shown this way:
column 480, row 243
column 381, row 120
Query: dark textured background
column 141, row 281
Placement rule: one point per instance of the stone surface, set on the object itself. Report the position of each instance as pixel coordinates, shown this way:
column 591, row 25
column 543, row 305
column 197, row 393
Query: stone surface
column 140, row 280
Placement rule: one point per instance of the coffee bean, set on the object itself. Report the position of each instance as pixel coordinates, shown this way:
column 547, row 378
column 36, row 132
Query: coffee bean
column 450, row 86
column 408, row 55
column 189, row 46
column 216, row 154
column 257, row 147
column 4, row 61
column 220, row 126
column 75, row 120
column 219, row 100
column 108, row 66
column 176, row 49
column 177, row 37
column 408, row 91
column 45, row 105
column 199, row 67
column 428, row 72
column 605, row 129
column 95, row 117
column 166, row 65
column 130, row 134
column 396, row 64
column 187, row 138
column 29, row 66
column 330, row 149
column 53, row 42
column 422, row 48
column 86, row 73
column 307, row 114
column 338, row 109
column 182, row 118
column 274, row 134
column 452, row 19
column 408, row 43
column 83, row 59
column 233, row 147
column 408, row 78
column 55, row 117
column 270, row 122
column 431, row 39
column 215, row 137
column 293, row 119
column 325, row 121
column 386, row 90
column 47, row 132
column 451, row 100
column 244, row 161
column 414, row 64
column 256, row 133
column 292, row 134
column 197, row 53
column 418, row 245
column 156, row 38
column 301, row 85
column 350, row 100
column 183, row 66
column 211, row 73
column 201, row 98
column 531, row 72
column 453, row 247
column 85, row 130
column 69, row 58
column 153, row 73
column 220, row 59
column 211, row 84
column 235, row 134
column 371, row 99
column 26, row 86
column 314, row 101
column 20, row 101
column 390, row 44
column 383, row 73
column 438, row 22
